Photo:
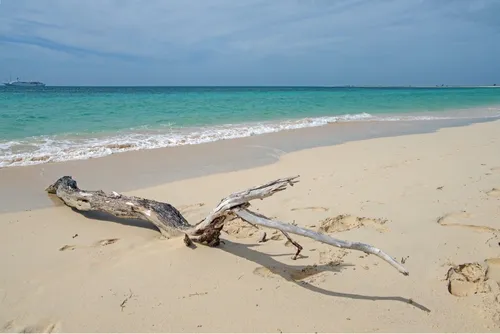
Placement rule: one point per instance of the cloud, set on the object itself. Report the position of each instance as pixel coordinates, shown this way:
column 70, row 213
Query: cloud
column 228, row 42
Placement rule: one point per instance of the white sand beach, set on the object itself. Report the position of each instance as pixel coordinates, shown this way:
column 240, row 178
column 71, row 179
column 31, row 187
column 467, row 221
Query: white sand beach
column 431, row 200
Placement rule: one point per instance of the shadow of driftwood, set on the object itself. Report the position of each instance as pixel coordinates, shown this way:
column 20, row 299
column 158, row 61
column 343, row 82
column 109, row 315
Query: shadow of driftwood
column 97, row 215
column 294, row 274
column 289, row 255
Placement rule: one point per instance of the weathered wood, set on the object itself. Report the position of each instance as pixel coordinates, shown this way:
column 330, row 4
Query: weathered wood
column 261, row 220
column 164, row 216
column 244, row 197
column 295, row 243
column 171, row 223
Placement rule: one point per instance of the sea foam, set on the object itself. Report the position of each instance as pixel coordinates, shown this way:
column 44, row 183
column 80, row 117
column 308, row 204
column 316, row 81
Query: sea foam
column 43, row 149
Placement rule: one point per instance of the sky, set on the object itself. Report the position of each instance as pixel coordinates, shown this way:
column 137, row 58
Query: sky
column 251, row 42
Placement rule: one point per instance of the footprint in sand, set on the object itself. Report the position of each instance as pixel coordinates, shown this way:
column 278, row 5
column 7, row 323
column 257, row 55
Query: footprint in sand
column 100, row 243
column 240, row 229
column 467, row 279
column 311, row 208
column 495, row 192
column 343, row 223
column 473, row 278
column 43, row 326
column 460, row 219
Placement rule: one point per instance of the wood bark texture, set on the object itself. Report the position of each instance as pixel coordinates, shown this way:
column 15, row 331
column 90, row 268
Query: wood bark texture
column 171, row 223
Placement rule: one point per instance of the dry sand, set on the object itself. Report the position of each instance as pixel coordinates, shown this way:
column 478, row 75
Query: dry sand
column 430, row 199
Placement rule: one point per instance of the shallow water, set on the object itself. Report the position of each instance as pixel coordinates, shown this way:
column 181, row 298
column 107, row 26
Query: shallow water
column 72, row 123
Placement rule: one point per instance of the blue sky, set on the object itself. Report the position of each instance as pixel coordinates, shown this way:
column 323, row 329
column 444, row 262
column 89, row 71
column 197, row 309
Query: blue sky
column 251, row 42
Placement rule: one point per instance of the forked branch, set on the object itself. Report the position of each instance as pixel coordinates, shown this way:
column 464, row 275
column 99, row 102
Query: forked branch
column 171, row 223
column 242, row 198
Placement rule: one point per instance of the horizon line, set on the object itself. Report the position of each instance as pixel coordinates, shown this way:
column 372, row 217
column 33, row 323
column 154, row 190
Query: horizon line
column 283, row 86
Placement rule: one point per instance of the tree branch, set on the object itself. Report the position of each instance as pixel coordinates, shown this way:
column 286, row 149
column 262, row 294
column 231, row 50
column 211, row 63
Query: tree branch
column 258, row 219
column 171, row 223
column 245, row 196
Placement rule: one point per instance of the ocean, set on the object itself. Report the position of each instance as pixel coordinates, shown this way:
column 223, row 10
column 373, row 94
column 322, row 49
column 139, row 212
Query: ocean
column 40, row 125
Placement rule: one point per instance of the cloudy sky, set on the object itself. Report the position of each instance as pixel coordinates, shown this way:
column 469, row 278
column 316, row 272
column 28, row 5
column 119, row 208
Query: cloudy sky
column 251, row 42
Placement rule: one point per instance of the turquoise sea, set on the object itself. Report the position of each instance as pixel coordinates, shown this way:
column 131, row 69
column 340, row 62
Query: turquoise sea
column 39, row 125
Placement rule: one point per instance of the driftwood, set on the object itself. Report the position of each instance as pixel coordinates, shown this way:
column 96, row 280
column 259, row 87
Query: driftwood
column 171, row 223
column 164, row 216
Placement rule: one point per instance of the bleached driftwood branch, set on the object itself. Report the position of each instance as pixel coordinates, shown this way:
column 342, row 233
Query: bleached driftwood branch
column 261, row 220
column 171, row 223
column 242, row 197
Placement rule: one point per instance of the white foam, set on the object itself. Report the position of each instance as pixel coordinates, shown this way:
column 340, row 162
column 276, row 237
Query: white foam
column 39, row 150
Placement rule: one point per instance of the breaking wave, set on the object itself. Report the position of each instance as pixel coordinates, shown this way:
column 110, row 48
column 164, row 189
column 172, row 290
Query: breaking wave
column 43, row 149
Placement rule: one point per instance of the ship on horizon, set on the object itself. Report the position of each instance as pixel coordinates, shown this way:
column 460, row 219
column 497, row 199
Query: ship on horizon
column 19, row 83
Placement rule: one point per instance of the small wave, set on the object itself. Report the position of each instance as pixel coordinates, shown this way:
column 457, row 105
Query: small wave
column 38, row 150
column 120, row 146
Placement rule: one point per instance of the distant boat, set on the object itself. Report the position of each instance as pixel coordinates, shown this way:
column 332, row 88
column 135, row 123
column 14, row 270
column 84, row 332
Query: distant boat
column 18, row 83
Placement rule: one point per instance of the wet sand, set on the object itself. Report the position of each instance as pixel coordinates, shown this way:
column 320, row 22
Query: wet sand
column 23, row 187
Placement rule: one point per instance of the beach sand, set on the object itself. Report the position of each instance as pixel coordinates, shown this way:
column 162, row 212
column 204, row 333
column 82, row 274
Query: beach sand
column 432, row 200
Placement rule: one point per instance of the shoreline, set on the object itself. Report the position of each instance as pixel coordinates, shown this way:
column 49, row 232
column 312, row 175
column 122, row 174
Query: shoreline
column 430, row 199
column 54, row 148
column 23, row 186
